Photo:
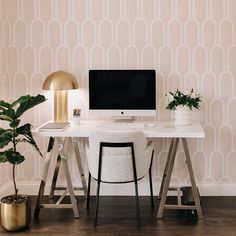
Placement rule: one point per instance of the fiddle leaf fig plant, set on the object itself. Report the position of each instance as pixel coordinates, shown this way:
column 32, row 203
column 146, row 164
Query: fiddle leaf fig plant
column 16, row 132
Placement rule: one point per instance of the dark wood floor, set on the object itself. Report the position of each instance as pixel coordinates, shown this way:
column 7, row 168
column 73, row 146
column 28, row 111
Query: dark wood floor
column 117, row 216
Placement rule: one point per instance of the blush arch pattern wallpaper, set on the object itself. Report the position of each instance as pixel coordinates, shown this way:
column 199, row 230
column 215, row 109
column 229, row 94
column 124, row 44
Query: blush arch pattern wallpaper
column 190, row 43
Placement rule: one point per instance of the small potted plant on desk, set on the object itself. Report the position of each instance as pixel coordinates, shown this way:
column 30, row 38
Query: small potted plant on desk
column 182, row 104
column 16, row 209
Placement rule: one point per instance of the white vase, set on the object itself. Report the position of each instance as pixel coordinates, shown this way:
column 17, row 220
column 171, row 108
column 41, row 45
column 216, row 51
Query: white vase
column 183, row 116
column 75, row 120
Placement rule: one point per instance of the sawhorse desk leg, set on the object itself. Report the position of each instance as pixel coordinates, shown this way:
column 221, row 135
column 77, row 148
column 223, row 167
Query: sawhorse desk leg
column 75, row 142
column 61, row 159
column 54, row 179
column 80, row 167
column 73, row 205
column 166, row 166
column 44, row 177
column 192, row 179
column 167, row 176
column 166, row 181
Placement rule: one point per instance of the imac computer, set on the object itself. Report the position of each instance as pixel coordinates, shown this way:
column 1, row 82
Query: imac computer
column 122, row 93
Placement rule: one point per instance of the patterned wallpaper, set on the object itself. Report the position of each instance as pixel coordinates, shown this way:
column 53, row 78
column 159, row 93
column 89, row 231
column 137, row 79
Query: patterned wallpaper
column 191, row 44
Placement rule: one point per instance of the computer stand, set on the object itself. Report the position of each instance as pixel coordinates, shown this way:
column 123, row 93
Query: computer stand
column 126, row 119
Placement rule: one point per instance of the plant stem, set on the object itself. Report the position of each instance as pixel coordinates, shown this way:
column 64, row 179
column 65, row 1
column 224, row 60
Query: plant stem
column 14, row 166
column 14, row 181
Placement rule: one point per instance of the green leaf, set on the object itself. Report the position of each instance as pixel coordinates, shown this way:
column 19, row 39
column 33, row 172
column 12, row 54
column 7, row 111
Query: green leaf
column 9, row 113
column 183, row 99
column 4, row 105
column 25, row 130
column 3, row 157
column 27, row 102
column 15, row 123
column 4, row 117
column 20, row 100
column 5, row 137
column 14, row 157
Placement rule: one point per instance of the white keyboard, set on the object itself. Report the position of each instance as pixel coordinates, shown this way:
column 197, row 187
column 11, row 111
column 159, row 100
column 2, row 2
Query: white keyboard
column 127, row 125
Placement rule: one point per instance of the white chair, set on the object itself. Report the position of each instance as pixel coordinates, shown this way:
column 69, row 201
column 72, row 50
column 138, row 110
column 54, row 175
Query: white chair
column 119, row 157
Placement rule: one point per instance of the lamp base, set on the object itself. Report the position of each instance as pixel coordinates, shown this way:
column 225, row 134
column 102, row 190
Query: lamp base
column 60, row 106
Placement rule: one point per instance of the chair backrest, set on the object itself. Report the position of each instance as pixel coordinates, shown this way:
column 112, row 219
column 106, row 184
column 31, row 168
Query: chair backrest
column 117, row 163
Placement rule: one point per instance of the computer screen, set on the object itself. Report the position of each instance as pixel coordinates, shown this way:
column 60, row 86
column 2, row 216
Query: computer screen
column 123, row 92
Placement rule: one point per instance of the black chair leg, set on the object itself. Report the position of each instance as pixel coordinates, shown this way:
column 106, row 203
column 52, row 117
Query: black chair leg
column 136, row 184
column 150, row 181
column 88, row 193
column 137, row 203
column 151, row 188
column 97, row 203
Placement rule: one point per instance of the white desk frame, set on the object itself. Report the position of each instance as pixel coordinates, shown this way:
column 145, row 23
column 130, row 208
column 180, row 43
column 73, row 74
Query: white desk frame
column 159, row 129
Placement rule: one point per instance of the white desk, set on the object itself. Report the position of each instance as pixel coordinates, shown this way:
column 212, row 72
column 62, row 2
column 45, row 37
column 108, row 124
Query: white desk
column 158, row 129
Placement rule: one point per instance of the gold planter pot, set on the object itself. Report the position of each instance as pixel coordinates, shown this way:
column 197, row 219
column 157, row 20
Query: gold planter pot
column 15, row 215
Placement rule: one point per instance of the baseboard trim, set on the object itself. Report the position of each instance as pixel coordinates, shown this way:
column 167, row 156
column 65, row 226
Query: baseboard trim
column 5, row 190
column 217, row 189
column 32, row 188
column 25, row 187
column 206, row 189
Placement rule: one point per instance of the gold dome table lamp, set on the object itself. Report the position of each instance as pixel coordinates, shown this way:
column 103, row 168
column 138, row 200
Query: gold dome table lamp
column 60, row 82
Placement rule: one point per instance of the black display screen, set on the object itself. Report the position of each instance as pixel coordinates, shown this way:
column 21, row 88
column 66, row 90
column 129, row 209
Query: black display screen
column 122, row 89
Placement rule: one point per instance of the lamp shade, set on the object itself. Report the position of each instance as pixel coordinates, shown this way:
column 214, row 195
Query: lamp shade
column 60, row 80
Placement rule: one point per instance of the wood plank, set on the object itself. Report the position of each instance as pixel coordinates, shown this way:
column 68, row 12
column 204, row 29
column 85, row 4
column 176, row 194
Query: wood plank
column 117, row 217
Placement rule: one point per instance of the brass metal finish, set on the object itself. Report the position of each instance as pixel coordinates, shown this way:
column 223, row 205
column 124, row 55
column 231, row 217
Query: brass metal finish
column 16, row 216
column 60, row 82
column 60, row 106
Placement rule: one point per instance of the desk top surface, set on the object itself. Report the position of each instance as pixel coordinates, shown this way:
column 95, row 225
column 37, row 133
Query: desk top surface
column 153, row 129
